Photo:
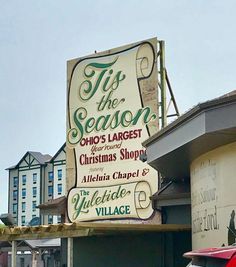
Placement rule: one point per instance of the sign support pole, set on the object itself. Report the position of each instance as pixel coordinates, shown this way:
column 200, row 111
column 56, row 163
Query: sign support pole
column 163, row 85
column 164, row 88
column 70, row 252
column 13, row 253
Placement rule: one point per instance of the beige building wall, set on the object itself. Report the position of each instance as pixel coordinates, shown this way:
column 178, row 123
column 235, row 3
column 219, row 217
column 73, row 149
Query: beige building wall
column 59, row 169
column 12, row 199
column 29, row 211
column 30, row 188
column 46, row 182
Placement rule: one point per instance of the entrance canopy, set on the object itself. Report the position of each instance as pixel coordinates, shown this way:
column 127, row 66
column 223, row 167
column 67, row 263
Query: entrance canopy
column 83, row 229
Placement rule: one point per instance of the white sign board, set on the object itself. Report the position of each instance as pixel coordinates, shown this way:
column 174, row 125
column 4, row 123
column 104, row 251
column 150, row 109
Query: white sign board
column 112, row 109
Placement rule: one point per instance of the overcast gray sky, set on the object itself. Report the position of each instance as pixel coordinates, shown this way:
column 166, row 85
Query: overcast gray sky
column 38, row 37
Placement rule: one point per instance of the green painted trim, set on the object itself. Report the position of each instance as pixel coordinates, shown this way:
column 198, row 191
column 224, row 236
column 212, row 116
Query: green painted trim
column 31, row 160
column 26, row 162
column 56, row 161
column 58, row 152
column 60, row 163
column 29, row 168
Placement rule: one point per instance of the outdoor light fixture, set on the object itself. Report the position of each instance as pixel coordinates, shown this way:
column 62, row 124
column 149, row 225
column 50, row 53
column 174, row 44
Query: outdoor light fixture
column 143, row 157
column 7, row 219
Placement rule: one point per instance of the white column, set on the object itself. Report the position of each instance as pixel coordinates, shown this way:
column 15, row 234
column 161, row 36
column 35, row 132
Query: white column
column 70, row 252
column 40, row 262
column 13, row 253
column 34, row 259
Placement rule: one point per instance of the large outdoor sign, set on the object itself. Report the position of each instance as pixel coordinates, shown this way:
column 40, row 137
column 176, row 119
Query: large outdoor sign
column 112, row 109
column 213, row 184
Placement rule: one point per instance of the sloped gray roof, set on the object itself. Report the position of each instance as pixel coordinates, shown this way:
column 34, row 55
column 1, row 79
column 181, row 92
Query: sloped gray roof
column 44, row 243
column 55, row 206
column 53, row 202
column 11, row 167
column 172, row 190
column 41, row 158
column 33, row 244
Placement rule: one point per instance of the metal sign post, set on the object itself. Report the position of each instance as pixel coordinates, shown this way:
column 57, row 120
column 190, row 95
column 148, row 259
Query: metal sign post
column 70, row 252
column 13, row 253
column 165, row 89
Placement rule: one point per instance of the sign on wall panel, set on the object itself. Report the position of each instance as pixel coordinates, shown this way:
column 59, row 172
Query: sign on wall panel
column 213, row 186
column 112, row 107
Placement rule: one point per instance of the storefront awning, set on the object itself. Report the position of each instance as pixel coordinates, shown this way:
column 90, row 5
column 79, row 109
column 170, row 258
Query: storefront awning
column 203, row 128
column 173, row 194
